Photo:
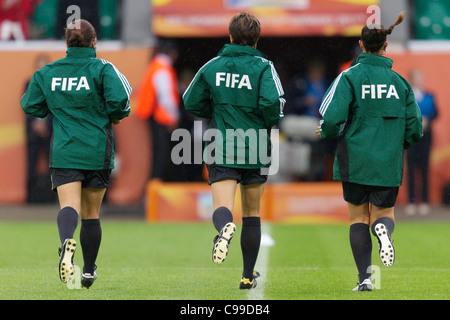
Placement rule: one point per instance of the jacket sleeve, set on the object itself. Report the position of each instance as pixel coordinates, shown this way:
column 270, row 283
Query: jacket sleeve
column 116, row 91
column 197, row 97
column 271, row 101
column 413, row 119
column 33, row 101
column 335, row 107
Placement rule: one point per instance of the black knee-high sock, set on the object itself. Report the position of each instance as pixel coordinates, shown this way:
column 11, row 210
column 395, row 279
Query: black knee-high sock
column 250, row 242
column 361, row 244
column 221, row 216
column 67, row 221
column 388, row 222
column 90, row 238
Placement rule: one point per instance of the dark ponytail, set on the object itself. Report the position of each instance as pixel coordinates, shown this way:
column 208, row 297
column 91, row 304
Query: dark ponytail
column 374, row 38
column 80, row 33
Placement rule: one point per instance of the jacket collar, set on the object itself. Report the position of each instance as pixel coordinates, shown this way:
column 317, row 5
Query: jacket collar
column 374, row 60
column 80, row 52
column 234, row 50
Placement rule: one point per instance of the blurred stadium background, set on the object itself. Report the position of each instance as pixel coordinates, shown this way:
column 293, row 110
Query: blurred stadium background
column 304, row 38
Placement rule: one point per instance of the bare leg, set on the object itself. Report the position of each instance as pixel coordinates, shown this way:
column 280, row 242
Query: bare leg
column 69, row 195
column 223, row 193
column 91, row 201
column 251, row 199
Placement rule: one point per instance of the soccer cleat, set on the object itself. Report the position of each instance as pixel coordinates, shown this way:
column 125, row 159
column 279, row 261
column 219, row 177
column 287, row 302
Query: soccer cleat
column 66, row 253
column 385, row 246
column 221, row 242
column 246, row 283
column 87, row 279
column 366, row 285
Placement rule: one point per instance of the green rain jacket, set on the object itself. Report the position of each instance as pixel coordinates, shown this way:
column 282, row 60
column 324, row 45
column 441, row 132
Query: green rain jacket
column 83, row 94
column 373, row 111
column 240, row 91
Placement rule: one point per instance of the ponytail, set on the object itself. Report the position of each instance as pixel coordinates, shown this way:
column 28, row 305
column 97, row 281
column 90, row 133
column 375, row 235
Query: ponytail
column 374, row 38
column 399, row 20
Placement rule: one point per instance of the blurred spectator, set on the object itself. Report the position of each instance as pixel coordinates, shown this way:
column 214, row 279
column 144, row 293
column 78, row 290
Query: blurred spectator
column 322, row 151
column 192, row 171
column 39, row 132
column 158, row 102
column 305, row 92
column 306, row 156
column 14, row 18
column 354, row 54
column 418, row 156
column 295, row 92
column 316, row 86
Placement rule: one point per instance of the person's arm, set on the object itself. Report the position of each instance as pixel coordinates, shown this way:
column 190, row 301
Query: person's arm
column 197, row 97
column 116, row 91
column 33, row 101
column 271, row 101
column 335, row 107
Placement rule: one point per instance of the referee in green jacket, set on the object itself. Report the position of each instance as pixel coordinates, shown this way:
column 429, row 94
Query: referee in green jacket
column 373, row 112
column 86, row 96
column 240, row 91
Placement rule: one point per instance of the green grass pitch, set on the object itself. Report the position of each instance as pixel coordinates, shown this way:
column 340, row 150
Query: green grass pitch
column 141, row 261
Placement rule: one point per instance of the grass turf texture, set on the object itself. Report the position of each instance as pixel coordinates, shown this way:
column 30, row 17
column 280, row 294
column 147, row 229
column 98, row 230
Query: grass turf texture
column 173, row 262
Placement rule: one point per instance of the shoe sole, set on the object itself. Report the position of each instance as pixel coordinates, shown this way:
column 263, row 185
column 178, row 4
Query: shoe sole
column 220, row 250
column 66, row 268
column 386, row 250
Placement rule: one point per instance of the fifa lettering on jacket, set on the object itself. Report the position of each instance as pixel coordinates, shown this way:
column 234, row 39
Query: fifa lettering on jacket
column 378, row 91
column 233, row 80
column 67, row 84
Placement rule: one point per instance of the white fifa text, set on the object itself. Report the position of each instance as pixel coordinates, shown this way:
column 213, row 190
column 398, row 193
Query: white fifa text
column 68, row 84
column 378, row 91
column 233, row 80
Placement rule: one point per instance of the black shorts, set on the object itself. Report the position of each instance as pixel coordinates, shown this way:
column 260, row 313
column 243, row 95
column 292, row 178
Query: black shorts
column 379, row 196
column 242, row 176
column 89, row 178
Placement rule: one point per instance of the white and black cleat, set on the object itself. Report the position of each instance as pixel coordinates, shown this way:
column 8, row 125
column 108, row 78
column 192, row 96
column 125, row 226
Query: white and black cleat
column 87, row 279
column 66, row 268
column 385, row 246
column 221, row 243
column 366, row 285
